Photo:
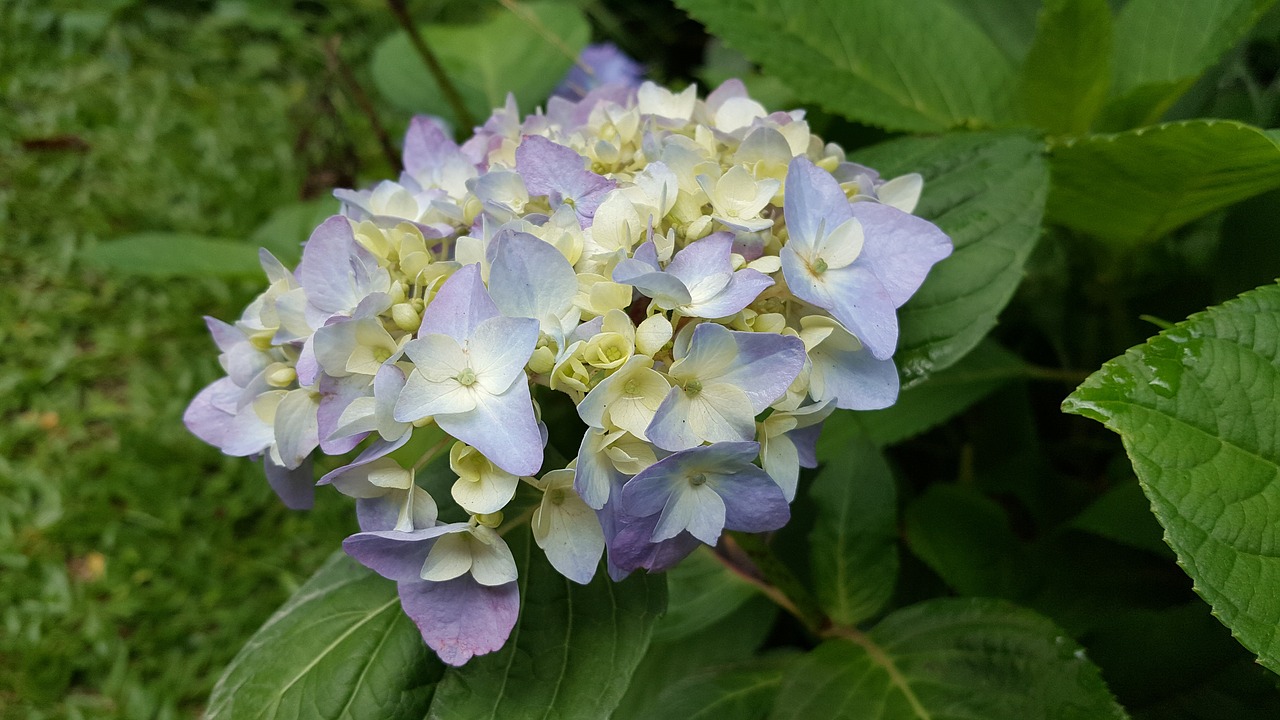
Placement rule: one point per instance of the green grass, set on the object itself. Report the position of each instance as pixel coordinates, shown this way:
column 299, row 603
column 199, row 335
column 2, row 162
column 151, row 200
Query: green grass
column 134, row 560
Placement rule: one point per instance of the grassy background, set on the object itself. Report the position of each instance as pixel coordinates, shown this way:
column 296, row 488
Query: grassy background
column 135, row 560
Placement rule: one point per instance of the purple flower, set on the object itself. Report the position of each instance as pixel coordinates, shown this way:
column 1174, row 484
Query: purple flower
column 699, row 281
column 698, row 492
column 469, row 374
column 722, row 382
column 466, row 614
column 560, row 174
column 597, row 65
column 858, row 261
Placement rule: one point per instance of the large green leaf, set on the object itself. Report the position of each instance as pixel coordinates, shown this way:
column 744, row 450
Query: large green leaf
column 1196, row 407
column 966, row 539
column 987, row 191
column 1162, row 46
column 949, row 660
column 1011, row 24
column 163, row 254
column 936, row 400
column 341, row 648
column 571, row 653
column 526, row 54
column 740, row 691
column 854, row 539
column 1068, row 70
column 917, row 65
column 724, row 642
column 701, row 591
column 1138, row 185
column 1123, row 515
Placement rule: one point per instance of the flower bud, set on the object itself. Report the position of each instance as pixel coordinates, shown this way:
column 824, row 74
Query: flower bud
column 406, row 317
column 280, row 375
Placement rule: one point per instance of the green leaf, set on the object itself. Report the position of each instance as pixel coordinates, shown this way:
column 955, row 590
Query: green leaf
column 1065, row 80
column 1196, row 407
column 571, row 653
column 161, row 254
column 966, row 539
column 936, row 400
column 987, row 191
column 506, row 53
column 1011, row 24
column 917, row 65
column 1123, row 515
column 1162, row 46
column 742, row 691
column 339, row 648
column 854, row 539
column 700, row 592
column 949, row 660
column 1136, row 186
column 722, row 643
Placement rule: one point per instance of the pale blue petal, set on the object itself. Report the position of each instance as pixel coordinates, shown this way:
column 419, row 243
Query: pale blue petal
column 813, row 204
column 499, row 349
column 529, row 278
column 699, row 511
column 765, row 366
column 295, row 487
column 853, row 295
column 461, row 618
column 899, row 248
column 743, row 288
column 377, row 449
column 205, row 418
column 502, row 427
column 753, row 501
column 703, row 258
column 335, row 395
column 670, row 428
column 666, row 289
column 336, row 271
column 855, row 379
column 296, row 427
column 427, row 145
column 393, row 554
column 461, row 303
column 595, row 475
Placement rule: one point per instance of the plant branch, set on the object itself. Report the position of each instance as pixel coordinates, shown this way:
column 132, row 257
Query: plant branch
column 750, row 556
column 348, row 78
column 451, row 94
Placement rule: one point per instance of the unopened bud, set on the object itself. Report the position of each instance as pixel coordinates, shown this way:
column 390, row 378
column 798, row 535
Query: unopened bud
column 281, row 375
column 397, row 292
column 490, row 520
column 542, row 361
column 405, row 317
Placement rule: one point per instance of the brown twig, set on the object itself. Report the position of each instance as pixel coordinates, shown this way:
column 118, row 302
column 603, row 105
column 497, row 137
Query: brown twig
column 451, row 94
column 361, row 98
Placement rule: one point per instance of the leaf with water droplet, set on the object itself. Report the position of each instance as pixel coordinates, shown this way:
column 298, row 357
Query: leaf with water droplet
column 1198, row 410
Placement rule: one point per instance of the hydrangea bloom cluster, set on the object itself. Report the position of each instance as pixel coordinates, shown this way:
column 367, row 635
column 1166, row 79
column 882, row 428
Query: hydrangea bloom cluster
column 706, row 281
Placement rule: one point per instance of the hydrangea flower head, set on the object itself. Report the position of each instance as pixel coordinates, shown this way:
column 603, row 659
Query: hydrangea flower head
column 703, row 280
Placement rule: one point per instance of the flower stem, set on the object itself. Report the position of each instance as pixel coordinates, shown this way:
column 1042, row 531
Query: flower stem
column 431, row 452
column 766, row 571
column 451, row 94
column 343, row 71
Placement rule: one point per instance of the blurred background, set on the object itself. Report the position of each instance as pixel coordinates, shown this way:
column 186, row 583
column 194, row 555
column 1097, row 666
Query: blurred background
column 142, row 140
